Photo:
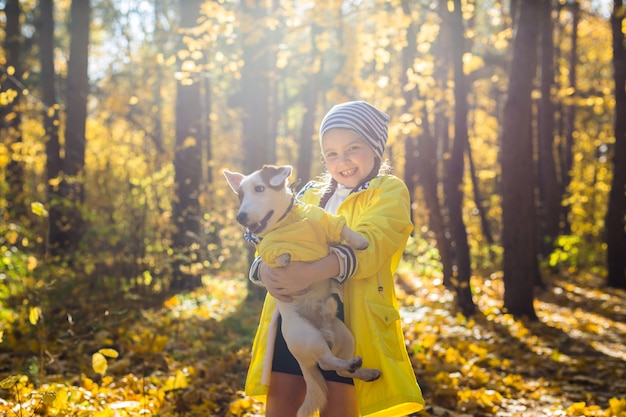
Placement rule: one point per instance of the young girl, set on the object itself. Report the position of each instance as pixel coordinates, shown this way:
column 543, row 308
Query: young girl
column 353, row 136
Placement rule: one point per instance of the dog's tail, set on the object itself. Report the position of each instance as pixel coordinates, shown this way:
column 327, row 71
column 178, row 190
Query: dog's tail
column 315, row 398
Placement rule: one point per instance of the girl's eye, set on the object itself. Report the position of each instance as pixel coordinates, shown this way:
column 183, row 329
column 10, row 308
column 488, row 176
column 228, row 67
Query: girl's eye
column 259, row 188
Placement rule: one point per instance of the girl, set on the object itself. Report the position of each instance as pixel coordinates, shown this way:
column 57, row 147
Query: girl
column 353, row 136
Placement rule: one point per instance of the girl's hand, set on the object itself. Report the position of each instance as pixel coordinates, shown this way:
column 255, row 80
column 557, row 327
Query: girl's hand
column 284, row 283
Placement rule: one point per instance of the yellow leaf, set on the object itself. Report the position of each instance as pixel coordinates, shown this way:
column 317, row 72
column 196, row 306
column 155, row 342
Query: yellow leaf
column 176, row 382
column 479, row 351
column 38, row 209
column 171, row 302
column 9, row 381
column 60, row 401
column 33, row 315
column 617, row 406
column 31, row 263
column 48, row 397
column 109, row 353
column 189, row 142
column 240, row 405
column 11, row 237
column 99, row 363
column 577, row 407
column 54, row 182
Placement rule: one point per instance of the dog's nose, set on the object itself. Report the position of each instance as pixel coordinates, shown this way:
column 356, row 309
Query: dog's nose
column 242, row 217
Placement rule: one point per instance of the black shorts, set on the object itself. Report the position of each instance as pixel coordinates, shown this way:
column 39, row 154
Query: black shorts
column 284, row 361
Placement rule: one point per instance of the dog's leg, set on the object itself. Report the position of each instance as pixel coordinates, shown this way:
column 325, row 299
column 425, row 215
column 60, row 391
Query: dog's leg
column 306, row 344
column 364, row 374
column 344, row 348
column 315, row 398
column 329, row 315
column 354, row 239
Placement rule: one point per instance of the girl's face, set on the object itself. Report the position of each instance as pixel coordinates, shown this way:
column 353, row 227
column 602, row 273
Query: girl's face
column 349, row 159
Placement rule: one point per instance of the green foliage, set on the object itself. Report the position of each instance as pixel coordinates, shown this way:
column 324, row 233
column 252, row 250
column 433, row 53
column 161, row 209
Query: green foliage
column 566, row 253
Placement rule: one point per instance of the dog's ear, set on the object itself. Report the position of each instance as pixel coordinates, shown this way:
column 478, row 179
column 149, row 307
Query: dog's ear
column 234, row 180
column 279, row 175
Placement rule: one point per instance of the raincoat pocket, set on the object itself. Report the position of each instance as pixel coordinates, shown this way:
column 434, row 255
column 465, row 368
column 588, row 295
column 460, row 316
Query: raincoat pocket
column 386, row 320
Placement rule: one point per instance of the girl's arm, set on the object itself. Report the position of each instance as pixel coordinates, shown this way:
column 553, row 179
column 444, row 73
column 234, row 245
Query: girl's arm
column 295, row 278
column 386, row 224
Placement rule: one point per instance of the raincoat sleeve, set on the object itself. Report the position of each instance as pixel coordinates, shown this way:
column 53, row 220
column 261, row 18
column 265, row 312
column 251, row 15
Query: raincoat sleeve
column 385, row 221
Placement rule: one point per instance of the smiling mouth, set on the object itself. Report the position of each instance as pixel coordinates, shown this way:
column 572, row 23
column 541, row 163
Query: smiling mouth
column 349, row 172
column 257, row 228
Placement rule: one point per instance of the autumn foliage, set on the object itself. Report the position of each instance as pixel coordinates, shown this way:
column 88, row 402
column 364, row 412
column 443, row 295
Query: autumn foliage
column 122, row 268
column 189, row 355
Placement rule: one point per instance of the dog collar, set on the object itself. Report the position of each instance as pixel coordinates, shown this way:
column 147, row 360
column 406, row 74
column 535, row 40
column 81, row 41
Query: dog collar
column 287, row 211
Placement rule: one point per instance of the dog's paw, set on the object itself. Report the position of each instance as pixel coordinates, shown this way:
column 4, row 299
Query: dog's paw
column 354, row 239
column 283, row 260
column 367, row 374
column 355, row 363
column 360, row 243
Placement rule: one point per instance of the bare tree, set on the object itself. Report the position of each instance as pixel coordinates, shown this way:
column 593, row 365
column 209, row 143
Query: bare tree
column 66, row 220
column 310, row 100
column 455, row 166
column 51, row 109
column 615, row 227
column 518, row 193
column 187, row 162
column 255, row 95
column 569, row 117
column 549, row 195
column 10, row 115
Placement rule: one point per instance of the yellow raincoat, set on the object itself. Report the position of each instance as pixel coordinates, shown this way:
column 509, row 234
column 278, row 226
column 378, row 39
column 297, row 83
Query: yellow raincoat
column 381, row 214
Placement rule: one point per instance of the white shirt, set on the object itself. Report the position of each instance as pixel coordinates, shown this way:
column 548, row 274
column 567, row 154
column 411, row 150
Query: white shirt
column 337, row 198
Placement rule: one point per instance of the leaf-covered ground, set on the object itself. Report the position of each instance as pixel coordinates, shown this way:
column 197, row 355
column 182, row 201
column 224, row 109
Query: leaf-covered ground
column 189, row 356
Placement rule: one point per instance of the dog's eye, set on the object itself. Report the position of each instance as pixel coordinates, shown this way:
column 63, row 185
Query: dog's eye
column 259, row 188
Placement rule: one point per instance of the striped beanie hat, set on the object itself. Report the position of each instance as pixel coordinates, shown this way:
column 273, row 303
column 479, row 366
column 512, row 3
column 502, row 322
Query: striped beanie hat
column 367, row 121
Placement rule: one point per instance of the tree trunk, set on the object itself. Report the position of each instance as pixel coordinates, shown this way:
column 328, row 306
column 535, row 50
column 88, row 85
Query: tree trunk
column 157, row 113
column 518, row 202
column 310, row 100
column 68, row 223
column 428, row 179
column 455, row 166
column 431, row 147
column 549, row 195
column 187, row 164
column 50, row 115
column 615, row 227
column 10, row 116
column 478, row 200
column 570, row 119
column 411, row 155
column 259, row 143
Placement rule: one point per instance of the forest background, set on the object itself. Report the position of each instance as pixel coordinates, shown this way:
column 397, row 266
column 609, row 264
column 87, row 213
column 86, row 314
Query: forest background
column 122, row 269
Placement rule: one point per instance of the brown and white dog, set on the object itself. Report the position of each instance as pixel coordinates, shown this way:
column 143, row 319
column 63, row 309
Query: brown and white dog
column 291, row 231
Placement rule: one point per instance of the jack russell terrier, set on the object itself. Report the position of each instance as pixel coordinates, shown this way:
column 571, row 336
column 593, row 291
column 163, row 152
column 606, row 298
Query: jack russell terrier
column 292, row 231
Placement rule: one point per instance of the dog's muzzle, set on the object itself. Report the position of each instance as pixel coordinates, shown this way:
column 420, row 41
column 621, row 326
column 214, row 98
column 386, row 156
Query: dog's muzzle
column 256, row 228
